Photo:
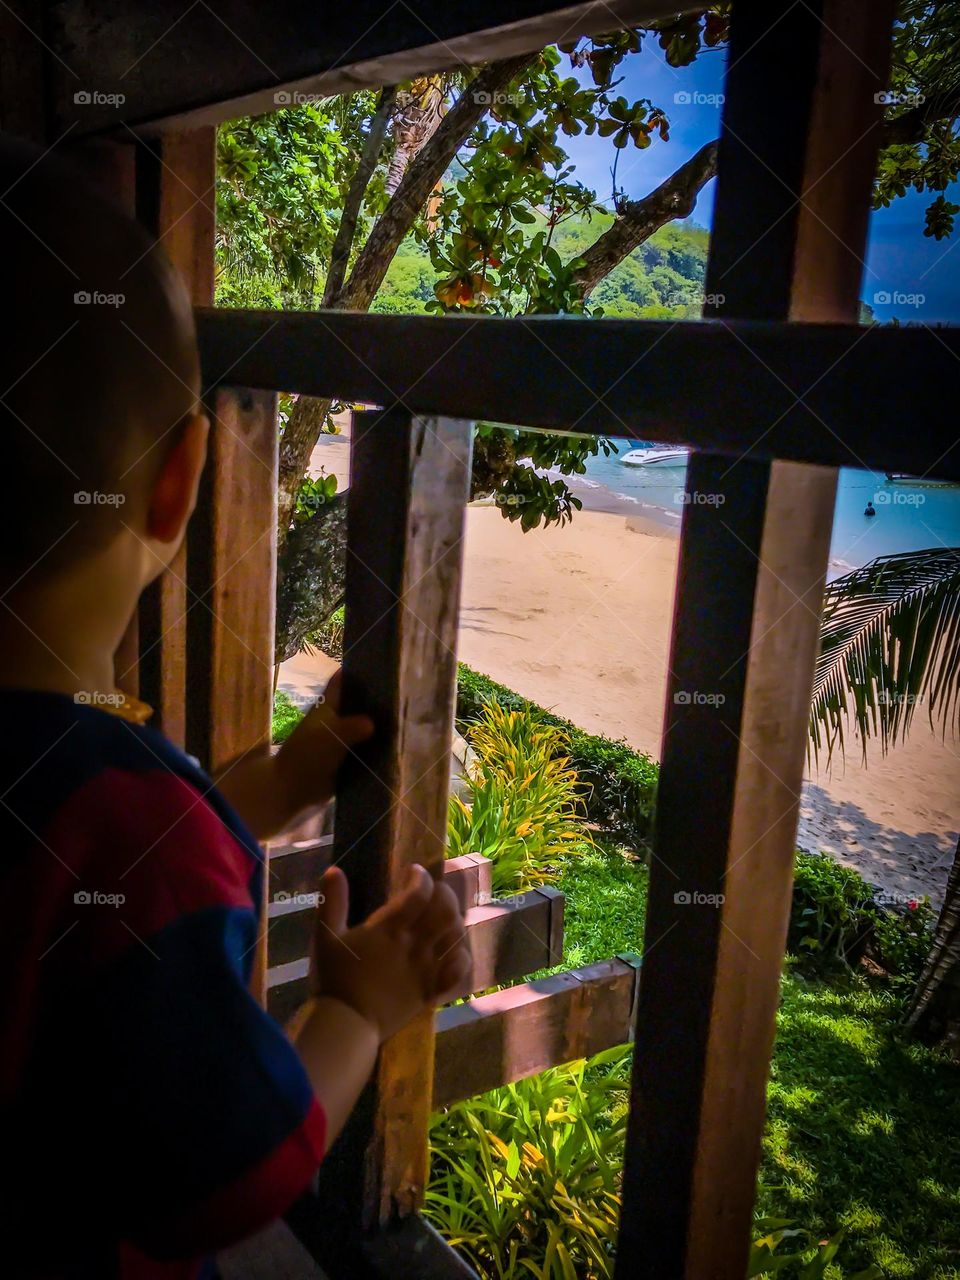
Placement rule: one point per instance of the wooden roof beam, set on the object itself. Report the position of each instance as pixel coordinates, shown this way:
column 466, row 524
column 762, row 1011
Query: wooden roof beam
column 168, row 64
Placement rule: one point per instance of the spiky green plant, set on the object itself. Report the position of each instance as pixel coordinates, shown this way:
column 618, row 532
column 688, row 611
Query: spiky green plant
column 524, row 806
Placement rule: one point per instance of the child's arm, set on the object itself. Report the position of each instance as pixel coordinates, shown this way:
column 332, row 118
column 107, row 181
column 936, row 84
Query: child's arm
column 268, row 791
column 369, row 981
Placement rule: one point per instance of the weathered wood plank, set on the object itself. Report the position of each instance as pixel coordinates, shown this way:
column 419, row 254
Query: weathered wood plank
column 232, row 580
column 192, row 66
column 746, row 627
column 831, row 393
column 503, row 1037
column 409, row 484
column 232, row 568
column 509, row 938
column 297, row 868
column 471, row 878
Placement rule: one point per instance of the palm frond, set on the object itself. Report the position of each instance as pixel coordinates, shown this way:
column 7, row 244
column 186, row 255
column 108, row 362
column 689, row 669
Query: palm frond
column 890, row 641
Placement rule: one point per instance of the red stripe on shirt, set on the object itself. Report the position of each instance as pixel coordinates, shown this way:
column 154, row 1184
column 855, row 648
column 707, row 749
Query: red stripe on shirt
column 255, row 1199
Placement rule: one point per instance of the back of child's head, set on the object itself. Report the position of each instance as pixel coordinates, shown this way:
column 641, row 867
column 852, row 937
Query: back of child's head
column 99, row 366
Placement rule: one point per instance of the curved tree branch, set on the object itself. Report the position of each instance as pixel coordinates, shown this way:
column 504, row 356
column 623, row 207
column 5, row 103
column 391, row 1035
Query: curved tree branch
column 639, row 219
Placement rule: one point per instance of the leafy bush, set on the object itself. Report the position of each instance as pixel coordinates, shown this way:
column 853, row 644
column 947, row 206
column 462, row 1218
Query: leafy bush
column 621, row 783
column 524, row 800
column 836, row 919
column 902, row 940
column 286, row 716
column 831, row 915
column 329, row 637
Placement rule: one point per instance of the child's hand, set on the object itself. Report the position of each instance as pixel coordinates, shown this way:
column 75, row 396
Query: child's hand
column 307, row 763
column 409, row 955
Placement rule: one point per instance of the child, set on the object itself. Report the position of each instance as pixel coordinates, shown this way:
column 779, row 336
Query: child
column 151, row 1111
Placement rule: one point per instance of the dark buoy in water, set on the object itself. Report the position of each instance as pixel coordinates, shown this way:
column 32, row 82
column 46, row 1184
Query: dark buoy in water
column 869, row 509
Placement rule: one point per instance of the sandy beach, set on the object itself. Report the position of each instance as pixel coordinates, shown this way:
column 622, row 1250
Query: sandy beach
column 578, row 619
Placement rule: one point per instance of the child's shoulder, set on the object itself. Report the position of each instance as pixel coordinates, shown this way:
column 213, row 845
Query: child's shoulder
column 77, row 776
column 55, row 745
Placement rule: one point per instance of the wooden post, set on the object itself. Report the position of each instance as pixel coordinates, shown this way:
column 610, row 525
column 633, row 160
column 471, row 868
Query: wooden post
column 409, row 485
column 796, row 162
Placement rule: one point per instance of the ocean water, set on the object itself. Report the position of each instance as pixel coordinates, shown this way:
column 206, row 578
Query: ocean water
column 911, row 516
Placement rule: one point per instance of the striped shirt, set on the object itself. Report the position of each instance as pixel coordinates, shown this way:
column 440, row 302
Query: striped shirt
column 152, row 1112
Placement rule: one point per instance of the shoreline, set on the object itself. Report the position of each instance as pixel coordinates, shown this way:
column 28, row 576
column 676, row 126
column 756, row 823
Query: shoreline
column 578, row 620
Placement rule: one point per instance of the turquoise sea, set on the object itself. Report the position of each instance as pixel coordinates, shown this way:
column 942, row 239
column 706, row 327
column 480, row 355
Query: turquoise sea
column 911, row 515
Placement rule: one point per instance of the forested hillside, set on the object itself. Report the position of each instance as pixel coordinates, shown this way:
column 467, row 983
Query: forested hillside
column 662, row 278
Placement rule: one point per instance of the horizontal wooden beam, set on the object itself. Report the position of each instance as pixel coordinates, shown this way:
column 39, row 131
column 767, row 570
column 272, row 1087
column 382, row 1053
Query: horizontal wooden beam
column 509, row 939
column 497, row 1039
column 828, row 393
column 296, row 868
column 168, row 64
column 471, row 878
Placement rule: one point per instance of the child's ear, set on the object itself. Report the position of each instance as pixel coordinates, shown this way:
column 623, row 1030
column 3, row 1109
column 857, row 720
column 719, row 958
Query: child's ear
column 175, row 489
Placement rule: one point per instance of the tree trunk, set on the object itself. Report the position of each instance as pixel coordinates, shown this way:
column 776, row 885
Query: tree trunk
column 301, row 433
column 934, row 1013
column 306, row 420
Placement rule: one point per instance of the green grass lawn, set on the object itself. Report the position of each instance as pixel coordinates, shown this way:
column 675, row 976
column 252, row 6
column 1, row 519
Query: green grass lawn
column 863, row 1127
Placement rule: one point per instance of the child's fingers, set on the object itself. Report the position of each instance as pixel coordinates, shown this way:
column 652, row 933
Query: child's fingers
column 349, row 730
column 404, row 909
column 334, row 904
column 331, row 693
column 453, row 975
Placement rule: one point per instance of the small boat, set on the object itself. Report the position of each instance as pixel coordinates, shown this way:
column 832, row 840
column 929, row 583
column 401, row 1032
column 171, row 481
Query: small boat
column 656, row 457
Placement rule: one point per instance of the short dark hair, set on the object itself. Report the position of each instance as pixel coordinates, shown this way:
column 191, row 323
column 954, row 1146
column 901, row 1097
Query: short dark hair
column 98, row 370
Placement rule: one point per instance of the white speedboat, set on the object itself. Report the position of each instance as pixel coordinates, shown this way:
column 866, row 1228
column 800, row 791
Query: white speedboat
column 656, row 457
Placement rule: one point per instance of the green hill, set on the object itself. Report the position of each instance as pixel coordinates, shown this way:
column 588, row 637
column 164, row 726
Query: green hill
column 663, row 278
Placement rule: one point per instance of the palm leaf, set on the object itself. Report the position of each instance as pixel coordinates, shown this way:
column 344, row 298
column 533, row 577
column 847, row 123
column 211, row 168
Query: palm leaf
column 890, row 640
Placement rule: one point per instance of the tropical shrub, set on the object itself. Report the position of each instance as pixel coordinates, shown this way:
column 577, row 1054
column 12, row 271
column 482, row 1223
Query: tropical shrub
column 329, row 637
column 836, row 919
column 526, row 1179
column 831, row 917
column 524, row 801
column 620, row 783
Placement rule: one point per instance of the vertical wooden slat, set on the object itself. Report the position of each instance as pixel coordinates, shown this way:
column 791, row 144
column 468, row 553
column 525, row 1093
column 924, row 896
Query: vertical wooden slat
column 233, row 571
column 232, row 575
column 409, row 485
column 796, row 161
column 175, row 199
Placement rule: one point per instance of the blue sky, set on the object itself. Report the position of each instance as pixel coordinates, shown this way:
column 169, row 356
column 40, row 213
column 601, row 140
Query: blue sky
column 900, row 259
